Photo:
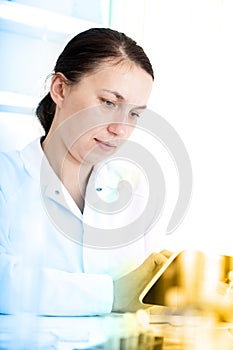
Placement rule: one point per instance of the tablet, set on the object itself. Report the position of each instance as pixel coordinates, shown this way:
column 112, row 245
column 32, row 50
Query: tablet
column 203, row 278
column 164, row 286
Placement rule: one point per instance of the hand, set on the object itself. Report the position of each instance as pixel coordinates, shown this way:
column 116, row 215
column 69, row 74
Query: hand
column 128, row 288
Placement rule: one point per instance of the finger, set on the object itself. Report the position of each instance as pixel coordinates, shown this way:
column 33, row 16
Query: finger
column 166, row 253
column 158, row 259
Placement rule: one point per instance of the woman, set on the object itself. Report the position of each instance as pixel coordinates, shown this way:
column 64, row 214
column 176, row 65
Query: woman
column 101, row 83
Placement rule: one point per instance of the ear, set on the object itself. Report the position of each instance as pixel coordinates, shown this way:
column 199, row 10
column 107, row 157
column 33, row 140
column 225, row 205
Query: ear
column 57, row 89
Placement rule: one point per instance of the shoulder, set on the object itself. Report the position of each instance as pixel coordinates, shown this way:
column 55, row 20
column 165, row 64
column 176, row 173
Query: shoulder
column 10, row 163
column 11, row 168
column 15, row 168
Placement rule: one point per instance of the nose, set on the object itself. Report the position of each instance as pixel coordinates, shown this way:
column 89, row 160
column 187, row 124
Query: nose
column 119, row 129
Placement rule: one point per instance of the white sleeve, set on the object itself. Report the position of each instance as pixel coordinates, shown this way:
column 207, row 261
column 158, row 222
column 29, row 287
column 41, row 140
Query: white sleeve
column 48, row 291
column 75, row 293
column 52, row 292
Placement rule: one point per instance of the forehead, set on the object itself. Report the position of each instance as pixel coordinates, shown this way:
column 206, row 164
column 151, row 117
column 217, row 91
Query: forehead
column 132, row 82
column 118, row 66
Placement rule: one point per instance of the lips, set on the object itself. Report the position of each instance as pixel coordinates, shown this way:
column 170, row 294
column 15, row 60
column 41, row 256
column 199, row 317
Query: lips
column 105, row 144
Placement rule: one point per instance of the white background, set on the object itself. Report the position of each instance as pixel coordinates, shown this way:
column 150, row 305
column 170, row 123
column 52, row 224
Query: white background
column 190, row 45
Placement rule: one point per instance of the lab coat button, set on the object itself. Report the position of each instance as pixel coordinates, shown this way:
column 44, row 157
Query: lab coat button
column 57, row 192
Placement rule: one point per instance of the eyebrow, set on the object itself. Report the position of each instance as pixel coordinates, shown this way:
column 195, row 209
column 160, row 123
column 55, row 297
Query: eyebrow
column 120, row 97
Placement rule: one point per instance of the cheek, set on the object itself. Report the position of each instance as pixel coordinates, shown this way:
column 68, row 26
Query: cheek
column 81, row 143
column 129, row 130
column 79, row 100
column 84, row 144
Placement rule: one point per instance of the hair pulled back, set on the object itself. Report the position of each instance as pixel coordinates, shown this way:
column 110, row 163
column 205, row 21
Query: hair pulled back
column 83, row 54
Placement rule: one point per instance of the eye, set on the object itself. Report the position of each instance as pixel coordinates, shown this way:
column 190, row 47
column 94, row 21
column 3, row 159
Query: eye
column 109, row 104
column 134, row 115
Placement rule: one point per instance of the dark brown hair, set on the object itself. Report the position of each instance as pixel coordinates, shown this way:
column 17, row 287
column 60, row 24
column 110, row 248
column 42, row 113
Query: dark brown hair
column 83, row 54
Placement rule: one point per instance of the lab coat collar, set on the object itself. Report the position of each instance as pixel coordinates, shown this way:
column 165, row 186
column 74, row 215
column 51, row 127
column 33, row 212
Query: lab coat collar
column 102, row 186
column 53, row 188
column 32, row 156
column 38, row 167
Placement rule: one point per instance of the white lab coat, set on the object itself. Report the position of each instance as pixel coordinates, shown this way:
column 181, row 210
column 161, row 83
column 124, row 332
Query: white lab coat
column 53, row 259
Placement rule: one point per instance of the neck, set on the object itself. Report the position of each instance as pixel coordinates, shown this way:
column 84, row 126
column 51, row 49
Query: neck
column 73, row 174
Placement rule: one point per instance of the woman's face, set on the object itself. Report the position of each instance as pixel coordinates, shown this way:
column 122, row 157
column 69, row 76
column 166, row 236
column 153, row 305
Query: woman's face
column 95, row 116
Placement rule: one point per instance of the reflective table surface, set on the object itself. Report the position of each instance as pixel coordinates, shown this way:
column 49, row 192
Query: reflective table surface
column 115, row 332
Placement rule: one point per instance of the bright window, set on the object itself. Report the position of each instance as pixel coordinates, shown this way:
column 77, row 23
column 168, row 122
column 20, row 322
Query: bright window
column 33, row 33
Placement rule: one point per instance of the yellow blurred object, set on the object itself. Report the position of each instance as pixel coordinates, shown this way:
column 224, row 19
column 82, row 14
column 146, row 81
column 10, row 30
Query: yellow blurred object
column 196, row 280
column 207, row 282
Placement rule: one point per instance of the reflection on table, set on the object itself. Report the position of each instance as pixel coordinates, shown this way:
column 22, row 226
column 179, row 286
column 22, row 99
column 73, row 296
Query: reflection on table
column 139, row 331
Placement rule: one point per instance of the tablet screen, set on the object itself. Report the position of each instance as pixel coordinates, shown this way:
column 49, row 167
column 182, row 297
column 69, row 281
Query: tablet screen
column 164, row 285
